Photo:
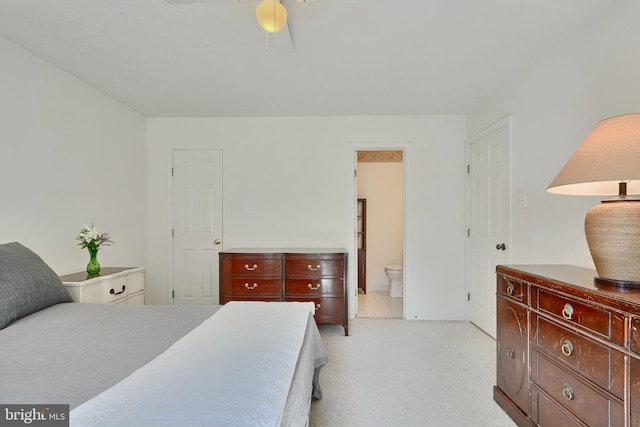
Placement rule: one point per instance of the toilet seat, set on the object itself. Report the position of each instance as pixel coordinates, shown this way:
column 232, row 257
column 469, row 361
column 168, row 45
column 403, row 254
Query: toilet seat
column 394, row 267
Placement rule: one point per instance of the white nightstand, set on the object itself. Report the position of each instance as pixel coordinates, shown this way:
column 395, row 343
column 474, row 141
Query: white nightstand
column 114, row 285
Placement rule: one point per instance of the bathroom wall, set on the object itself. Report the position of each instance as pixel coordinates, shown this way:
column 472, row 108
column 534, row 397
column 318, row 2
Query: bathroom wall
column 381, row 184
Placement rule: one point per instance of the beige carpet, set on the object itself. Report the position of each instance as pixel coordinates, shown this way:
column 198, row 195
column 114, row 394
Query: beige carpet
column 394, row 372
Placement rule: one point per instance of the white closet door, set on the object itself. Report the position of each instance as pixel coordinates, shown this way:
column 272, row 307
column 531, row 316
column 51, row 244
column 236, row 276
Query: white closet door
column 488, row 220
column 197, row 225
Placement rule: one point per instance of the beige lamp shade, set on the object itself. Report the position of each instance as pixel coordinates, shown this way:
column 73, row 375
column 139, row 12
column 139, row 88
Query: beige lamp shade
column 271, row 15
column 610, row 154
column 608, row 164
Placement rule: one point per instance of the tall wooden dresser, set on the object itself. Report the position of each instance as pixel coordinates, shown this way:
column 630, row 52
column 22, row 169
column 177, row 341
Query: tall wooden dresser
column 318, row 275
column 568, row 350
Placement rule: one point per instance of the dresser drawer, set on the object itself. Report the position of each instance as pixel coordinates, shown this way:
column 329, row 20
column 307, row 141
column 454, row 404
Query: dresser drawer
column 635, row 334
column 594, row 408
column 546, row 413
column 245, row 288
column 513, row 289
column 328, row 310
column 314, row 288
column 314, row 267
column 601, row 364
column 605, row 324
column 251, row 266
column 227, row 298
column 106, row 292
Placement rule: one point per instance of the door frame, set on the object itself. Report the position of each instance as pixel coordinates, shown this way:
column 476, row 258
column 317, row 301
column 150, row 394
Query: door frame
column 505, row 121
column 353, row 202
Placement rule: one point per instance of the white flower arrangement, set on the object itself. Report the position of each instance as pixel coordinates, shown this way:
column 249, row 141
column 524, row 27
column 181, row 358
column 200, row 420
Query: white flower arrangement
column 91, row 238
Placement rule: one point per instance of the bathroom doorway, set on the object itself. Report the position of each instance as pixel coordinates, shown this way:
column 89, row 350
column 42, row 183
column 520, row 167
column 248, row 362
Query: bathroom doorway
column 380, row 232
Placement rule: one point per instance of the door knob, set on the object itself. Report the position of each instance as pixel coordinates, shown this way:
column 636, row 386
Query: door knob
column 217, row 242
column 501, row 246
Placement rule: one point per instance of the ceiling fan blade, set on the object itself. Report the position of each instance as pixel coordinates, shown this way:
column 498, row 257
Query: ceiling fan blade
column 336, row 1
column 196, row 1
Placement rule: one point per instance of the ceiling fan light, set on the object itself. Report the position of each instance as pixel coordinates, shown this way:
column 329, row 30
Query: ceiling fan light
column 271, row 15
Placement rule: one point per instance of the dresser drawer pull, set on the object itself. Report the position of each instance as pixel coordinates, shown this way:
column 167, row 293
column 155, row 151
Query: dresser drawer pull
column 317, row 306
column 567, row 392
column 511, row 353
column 510, row 289
column 250, row 287
column 567, row 311
column 567, row 348
column 246, row 267
column 312, row 268
column 314, row 288
column 113, row 292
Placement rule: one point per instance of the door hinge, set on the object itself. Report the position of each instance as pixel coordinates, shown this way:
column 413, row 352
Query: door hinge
column 172, row 232
column 171, row 171
column 355, row 173
column 468, row 232
column 173, row 294
column 468, row 168
column 468, row 296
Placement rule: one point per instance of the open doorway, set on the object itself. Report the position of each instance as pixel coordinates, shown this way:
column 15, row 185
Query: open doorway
column 380, row 232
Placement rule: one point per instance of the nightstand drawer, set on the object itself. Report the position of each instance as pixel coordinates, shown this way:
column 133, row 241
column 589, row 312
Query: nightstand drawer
column 594, row 408
column 314, row 287
column 246, row 288
column 599, row 363
column 106, row 292
column 135, row 282
column 114, row 285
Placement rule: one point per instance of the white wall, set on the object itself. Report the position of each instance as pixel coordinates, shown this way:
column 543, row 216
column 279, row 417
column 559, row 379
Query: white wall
column 298, row 175
column 381, row 184
column 69, row 155
column 588, row 77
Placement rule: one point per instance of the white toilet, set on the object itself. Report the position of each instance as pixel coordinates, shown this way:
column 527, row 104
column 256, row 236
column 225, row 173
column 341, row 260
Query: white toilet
column 394, row 273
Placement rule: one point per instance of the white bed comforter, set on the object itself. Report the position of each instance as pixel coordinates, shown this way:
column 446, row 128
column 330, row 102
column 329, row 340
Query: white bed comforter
column 234, row 369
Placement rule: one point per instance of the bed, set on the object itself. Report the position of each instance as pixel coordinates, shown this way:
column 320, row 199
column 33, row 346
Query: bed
column 245, row 363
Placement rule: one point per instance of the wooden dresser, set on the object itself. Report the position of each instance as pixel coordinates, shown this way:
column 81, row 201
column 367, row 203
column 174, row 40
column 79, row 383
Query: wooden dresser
column 568, row 351
column 318, row 275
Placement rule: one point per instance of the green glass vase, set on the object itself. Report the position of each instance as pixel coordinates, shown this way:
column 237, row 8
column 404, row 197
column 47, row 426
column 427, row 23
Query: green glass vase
column 93, row 268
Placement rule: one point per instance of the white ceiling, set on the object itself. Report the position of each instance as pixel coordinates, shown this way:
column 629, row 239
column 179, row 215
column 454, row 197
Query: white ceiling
column 349, row 57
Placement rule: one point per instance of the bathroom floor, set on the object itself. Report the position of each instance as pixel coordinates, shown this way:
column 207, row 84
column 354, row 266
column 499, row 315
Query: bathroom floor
column 379, row 304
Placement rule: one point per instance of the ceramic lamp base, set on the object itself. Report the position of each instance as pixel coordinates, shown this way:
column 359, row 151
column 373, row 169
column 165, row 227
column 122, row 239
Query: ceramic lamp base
column 613, row 234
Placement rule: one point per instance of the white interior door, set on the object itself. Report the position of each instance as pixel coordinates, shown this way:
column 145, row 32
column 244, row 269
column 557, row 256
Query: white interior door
column 488, row 219
column 197, row 225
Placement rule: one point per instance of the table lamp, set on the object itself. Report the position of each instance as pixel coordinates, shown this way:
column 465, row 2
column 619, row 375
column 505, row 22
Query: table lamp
column 607, row 163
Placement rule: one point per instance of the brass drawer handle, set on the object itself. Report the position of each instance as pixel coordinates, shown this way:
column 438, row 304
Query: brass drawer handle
column 317, row 306
column 312, row 268
column 567, row 348
column 250, row 287
column 567, row 392
column 510, row 289
column 246, row 267
column 113, row 292
column 314, row 288
column 567, row 311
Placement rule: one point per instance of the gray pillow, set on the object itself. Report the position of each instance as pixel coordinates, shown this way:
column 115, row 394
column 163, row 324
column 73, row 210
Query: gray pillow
column 27, row 284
